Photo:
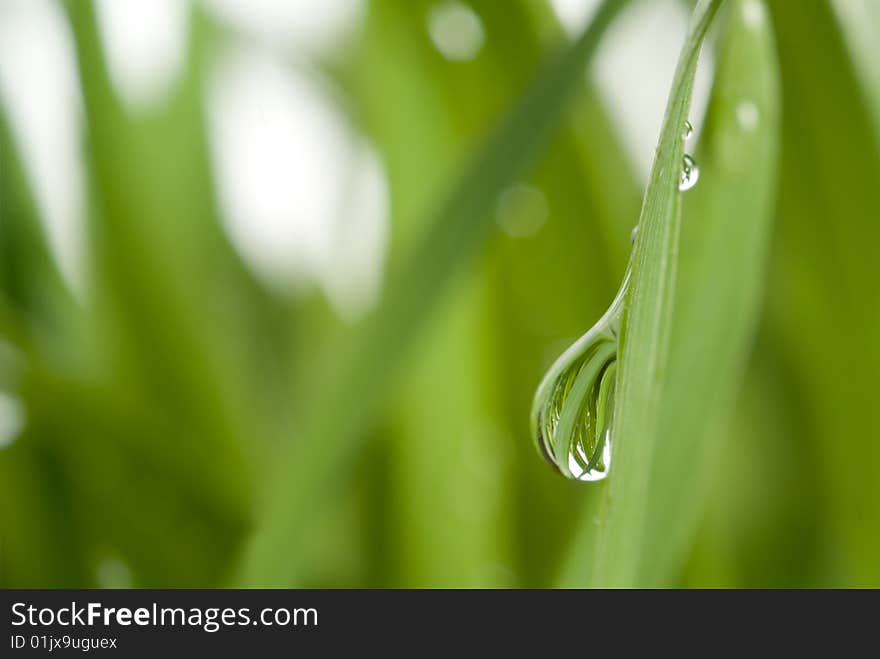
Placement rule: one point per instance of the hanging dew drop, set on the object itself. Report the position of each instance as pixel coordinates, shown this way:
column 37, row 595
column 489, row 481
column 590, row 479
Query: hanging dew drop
column 690, row 173
column 574, row 404
column 573, row 408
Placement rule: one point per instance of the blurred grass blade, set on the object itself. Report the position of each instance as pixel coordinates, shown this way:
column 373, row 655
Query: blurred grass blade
column 452, row 430
column 645, row 335
column 724, row 243
column 35, row 511
column 30, row 281
column 356, row 381
column 860, row 24
column 824, row 280
column 171, row 368
column 592, row 198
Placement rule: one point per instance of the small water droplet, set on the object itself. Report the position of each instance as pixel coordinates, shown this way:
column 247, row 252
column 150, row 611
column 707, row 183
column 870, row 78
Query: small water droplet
column 690, row 173
column 747, row 115
column 753, row 13
column 688, row 130
column 12, row 418
column 113, row 572
column 521, row 210
column 633, row 235
column 456, row 30
column 574, row 404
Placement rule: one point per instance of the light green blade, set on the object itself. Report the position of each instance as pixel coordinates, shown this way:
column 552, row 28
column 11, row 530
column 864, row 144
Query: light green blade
column 645, row 336
column 725, row 238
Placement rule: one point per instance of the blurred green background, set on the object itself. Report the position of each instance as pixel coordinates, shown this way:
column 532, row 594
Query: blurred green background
column 195, row 345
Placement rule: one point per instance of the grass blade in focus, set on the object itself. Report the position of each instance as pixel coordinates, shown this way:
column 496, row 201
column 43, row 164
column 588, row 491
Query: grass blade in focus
column 645, row 333
column 724, row 241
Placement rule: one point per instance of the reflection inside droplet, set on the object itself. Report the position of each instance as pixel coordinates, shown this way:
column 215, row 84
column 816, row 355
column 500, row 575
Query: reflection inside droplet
column 591, row 475
column 690, row 173
column 688, row 130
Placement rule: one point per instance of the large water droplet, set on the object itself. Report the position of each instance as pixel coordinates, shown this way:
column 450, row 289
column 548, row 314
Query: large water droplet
column 573, row 406
column 690, row 173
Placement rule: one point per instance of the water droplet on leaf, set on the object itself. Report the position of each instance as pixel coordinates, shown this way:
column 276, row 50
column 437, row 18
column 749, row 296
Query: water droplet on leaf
column 690, row 173
column 574, row 404
column 688, row 130
column 747, row 115
column 573, row 408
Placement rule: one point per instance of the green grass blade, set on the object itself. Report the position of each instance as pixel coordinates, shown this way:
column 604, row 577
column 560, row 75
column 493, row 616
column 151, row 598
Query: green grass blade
column 357, row 380
column 860, row 24
column 824, row 280
column 724, row 244
column 448, row 431
column 29, row 278
column 798, row 502
column 645, row 330
column 171, row 371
